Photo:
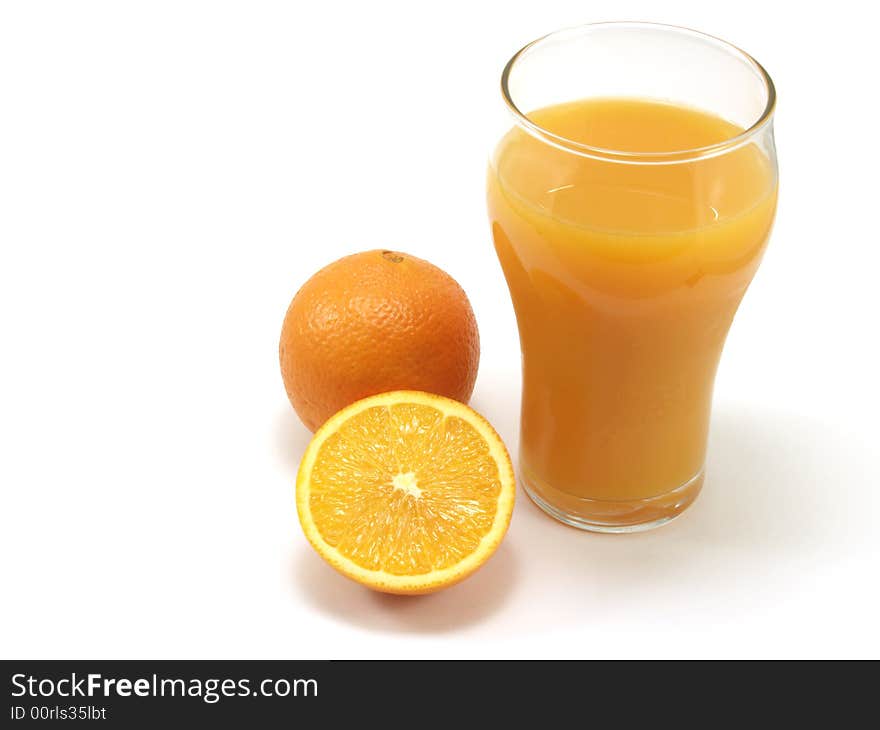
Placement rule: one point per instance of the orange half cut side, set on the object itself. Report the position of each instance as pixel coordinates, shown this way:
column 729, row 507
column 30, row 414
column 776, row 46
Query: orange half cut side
column 405, row 492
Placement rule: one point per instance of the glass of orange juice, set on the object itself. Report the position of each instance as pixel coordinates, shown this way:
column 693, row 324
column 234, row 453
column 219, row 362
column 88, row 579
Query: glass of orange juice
column 631, row 200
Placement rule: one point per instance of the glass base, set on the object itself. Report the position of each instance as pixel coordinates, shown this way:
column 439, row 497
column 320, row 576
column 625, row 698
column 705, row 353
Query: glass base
column 598, row 515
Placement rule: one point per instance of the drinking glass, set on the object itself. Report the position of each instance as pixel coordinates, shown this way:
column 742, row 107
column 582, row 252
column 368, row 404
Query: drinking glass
column 630, row 199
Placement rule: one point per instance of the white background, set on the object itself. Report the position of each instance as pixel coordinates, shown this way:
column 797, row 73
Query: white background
column 171, row 173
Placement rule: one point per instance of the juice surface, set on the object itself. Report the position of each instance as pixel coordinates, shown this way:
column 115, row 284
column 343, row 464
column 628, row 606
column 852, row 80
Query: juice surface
column 625, row 279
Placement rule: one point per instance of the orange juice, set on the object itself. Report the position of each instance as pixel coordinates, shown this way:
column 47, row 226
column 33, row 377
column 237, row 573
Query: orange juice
column 625, row 279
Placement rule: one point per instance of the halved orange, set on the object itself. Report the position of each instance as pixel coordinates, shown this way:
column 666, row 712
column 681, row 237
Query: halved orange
column 405, row 492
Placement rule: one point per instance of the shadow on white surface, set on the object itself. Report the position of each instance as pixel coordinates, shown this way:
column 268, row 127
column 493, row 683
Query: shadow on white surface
column 471, row 602
column 291, row 439
column 768, row 503
column 772, row 481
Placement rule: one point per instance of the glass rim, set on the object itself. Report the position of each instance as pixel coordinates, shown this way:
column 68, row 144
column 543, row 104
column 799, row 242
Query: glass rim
column 647, row 157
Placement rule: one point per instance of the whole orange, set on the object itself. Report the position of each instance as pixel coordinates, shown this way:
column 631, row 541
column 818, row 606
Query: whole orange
column 374, row 322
